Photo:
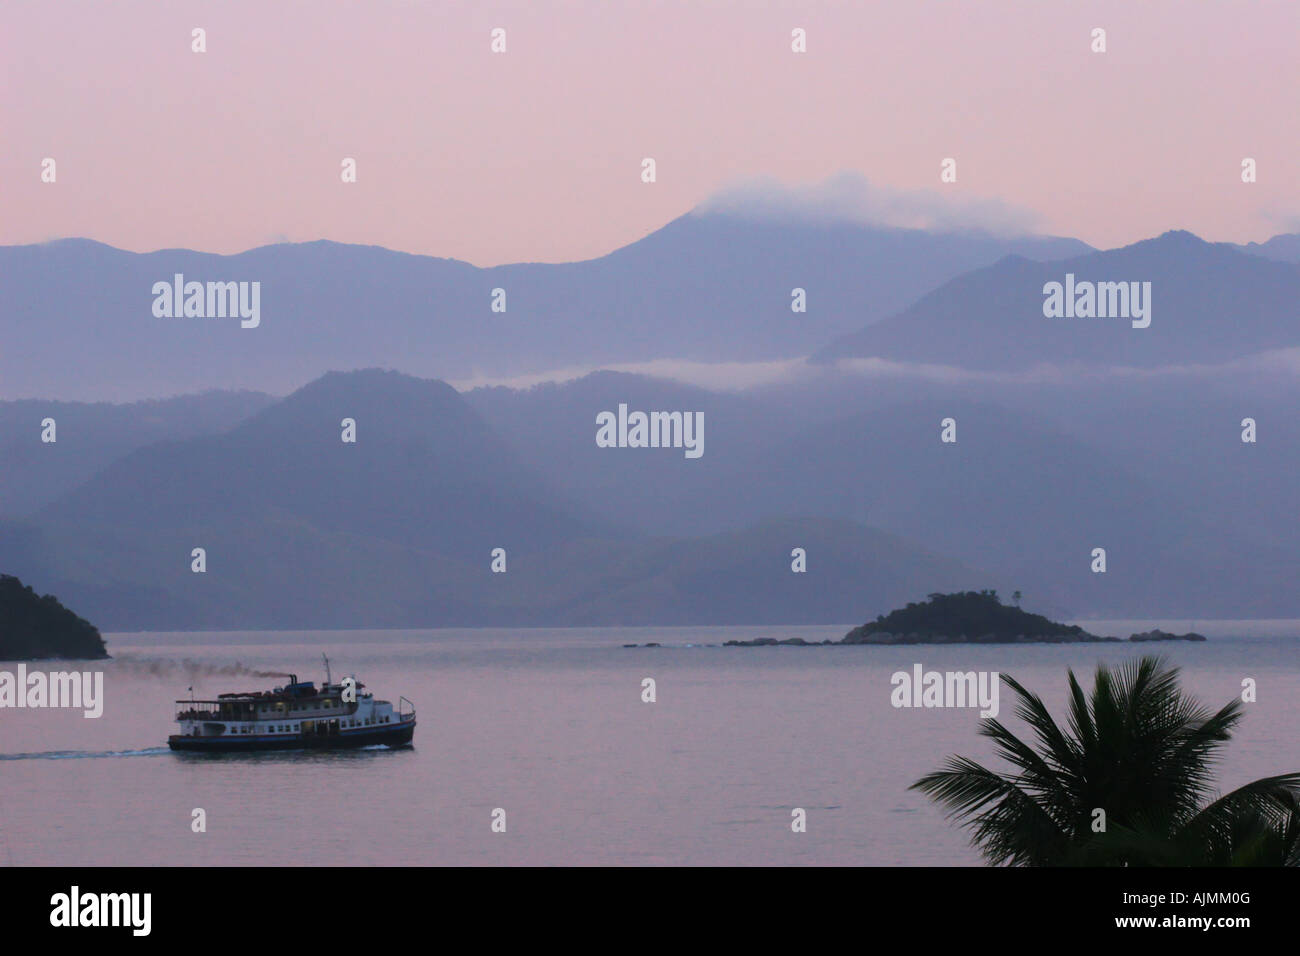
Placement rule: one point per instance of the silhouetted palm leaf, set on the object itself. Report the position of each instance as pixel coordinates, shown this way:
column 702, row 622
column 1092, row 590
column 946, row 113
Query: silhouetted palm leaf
column 1137, row 749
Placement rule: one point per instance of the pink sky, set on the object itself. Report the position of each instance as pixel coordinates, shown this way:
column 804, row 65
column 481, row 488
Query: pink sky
column 535, row 154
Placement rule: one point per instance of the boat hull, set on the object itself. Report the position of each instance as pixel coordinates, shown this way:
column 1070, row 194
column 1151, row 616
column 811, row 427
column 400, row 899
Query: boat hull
column 398, row 735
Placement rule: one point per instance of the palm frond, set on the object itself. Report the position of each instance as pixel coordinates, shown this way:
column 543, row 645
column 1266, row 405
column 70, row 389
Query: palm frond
column 1141, row 750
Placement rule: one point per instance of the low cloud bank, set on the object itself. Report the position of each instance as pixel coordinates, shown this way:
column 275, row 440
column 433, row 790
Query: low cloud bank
column 741, row 376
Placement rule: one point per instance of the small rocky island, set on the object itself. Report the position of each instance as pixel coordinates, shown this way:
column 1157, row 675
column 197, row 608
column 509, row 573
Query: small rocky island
column 33, row 627
column 1159, row 635
column 967, row 617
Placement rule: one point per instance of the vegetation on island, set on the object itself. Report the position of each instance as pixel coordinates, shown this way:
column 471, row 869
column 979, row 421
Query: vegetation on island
column 1126, row 781
column 33, row 627
column 966, row 616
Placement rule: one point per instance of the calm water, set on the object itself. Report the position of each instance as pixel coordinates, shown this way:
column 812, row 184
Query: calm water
column 549, row 725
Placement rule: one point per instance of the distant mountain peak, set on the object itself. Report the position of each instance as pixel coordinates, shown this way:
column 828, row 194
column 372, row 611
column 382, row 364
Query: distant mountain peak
column 368, row 386
column 1281, row 248
column 1182, row 235
column 678, row 294
column 993, row 318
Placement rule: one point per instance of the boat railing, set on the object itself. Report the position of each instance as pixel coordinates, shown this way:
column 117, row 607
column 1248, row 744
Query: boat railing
column 200, row 713
column 403, row 714
column 222, row 710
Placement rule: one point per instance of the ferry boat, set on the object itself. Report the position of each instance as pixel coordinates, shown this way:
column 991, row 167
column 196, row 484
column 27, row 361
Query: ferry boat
column 297, row 716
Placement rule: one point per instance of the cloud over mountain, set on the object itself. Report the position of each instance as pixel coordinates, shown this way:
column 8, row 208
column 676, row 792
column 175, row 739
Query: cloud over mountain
column 850, row 197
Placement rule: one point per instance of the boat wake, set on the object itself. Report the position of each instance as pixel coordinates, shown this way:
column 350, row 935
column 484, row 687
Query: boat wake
column 78, row 754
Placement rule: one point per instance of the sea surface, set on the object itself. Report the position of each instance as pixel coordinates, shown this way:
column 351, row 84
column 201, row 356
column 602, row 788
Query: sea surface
column 549, row 725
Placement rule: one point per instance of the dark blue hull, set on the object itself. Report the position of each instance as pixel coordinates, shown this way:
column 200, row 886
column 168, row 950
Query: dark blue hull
column 397, row 735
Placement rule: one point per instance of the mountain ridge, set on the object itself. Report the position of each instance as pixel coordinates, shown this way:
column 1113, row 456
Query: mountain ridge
column 992, row 318
column 79, row 311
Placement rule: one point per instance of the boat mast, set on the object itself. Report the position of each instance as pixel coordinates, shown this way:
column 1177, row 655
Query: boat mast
column 327, row 670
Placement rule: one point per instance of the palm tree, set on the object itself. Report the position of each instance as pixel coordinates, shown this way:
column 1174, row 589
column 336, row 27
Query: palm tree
column 1140, row 750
